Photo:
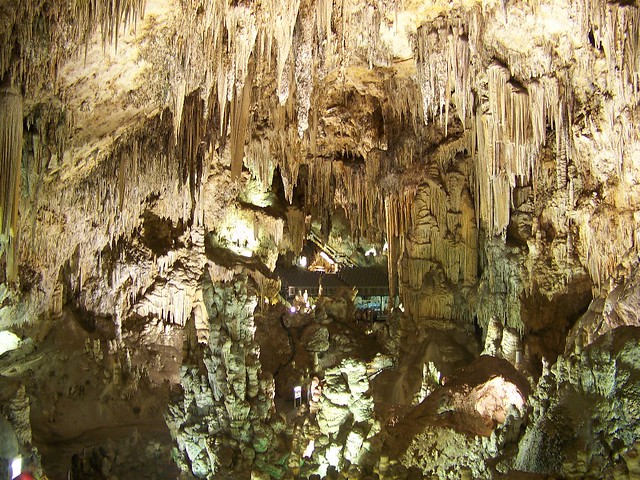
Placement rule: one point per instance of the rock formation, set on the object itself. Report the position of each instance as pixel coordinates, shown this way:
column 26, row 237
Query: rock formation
column 159, row 159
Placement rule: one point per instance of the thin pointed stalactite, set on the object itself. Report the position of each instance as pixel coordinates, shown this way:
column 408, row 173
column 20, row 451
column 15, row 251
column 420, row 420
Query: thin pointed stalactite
column 109, row 15
column 304, row 60
column 191, row 144
column 284, row 22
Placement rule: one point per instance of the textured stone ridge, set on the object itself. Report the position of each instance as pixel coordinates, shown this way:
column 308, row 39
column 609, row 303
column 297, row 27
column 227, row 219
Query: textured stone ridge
column 464, row 426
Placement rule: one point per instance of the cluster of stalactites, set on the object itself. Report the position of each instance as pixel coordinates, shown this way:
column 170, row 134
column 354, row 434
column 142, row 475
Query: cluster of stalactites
column 397, row 214
column 107, row 204
column 606, row 258
column 615, row 28
column 508, row 131
column 445, row 69
column 512, row 125
column 214, row 49
column 31, row 29
column 260, row 161
column 279, row 146
column 223, row 48
column 110, row 15
column 508, row 139
column 352, row 187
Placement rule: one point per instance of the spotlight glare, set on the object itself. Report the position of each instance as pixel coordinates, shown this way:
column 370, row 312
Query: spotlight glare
column 16, row 467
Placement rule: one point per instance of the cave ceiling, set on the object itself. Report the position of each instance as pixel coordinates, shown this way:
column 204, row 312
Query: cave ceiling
column 438, row 127
column 456, row 132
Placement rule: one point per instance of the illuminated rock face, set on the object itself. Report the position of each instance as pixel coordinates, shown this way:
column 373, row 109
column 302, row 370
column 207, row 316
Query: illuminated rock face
column 493, row 147
column 223, row 420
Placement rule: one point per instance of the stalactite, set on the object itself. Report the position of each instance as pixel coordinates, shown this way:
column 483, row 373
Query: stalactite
column 31, row 30
column 324, row 11
column 603, row 256
column 192, row 135
column 284, row 86
column 242, row 30
column 283, row 28
column 240, row 109
column 561, row 158
column 320, row 176
column 290, row 154
column 108, row 14
column 398, row 217
column 304, row 65
column 179, row 93
column 260, row 161
column 509, row 137
column 297, row 227
column 433, row 69
column 443, row 60
column 10, row 174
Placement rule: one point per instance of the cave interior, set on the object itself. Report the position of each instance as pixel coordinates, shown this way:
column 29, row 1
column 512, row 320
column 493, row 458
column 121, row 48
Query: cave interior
column 308, row 239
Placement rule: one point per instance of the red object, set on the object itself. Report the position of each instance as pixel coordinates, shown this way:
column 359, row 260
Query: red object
column 25, row 476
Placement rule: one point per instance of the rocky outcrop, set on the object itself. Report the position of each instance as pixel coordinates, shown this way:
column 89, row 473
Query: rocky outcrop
column 619, row 307
column 584, row 422
column 224, row 418
column 340, row 432
column 464, row 426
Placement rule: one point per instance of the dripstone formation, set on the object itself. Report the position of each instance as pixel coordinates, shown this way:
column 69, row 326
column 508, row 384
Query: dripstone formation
column 198, row 200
